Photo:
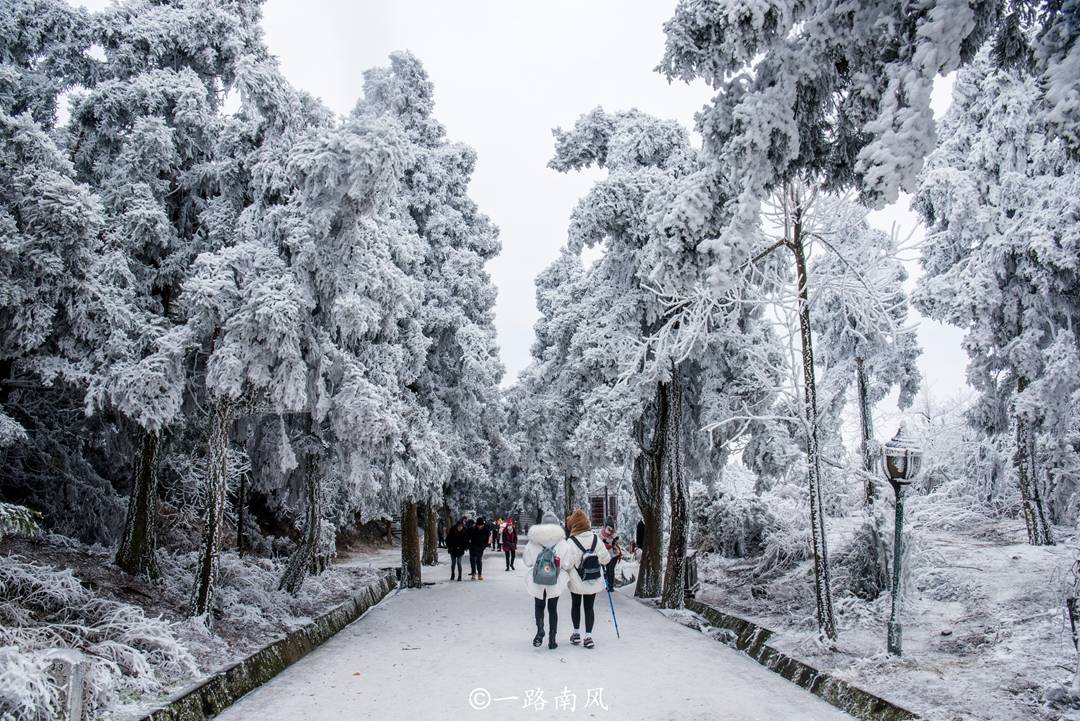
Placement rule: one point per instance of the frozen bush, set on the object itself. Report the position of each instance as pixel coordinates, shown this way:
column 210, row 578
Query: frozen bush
column 861, row 567
column 733, row 526
column 17, row 519
column 25, row 691
column 789, row 542
column 42, row 608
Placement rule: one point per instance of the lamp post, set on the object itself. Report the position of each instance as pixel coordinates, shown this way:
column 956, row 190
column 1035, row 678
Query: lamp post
column 900, row 460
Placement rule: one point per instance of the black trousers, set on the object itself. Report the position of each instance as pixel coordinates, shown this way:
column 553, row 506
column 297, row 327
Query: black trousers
column 476, row 560
column 510, row 556
column 455, row 562
column 575, row 610
column 609, row 573
column 552, row 612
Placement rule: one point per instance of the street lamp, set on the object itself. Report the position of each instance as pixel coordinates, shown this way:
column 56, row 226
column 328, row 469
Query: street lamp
column 900, row 460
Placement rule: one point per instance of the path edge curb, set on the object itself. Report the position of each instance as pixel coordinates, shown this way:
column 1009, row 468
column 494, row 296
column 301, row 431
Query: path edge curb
column 210, row 696
column 753, row 640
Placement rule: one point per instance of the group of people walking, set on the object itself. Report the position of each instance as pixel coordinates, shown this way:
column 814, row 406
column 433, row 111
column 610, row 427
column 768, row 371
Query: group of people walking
column 475, row 537
column 574, row 558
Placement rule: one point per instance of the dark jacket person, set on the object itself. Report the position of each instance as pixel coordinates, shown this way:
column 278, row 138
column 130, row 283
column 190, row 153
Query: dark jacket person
column 457, row 542
column 479, row 538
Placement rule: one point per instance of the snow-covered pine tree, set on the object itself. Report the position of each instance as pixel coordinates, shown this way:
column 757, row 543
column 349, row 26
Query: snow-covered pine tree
column 67, row 301
column 999, row 197
column 552, row 386
column 863, row 333
column 143, row 135
column 458, row 385
column 643, row 362
column 841, row 93
column 354, row 259
column 863, row 337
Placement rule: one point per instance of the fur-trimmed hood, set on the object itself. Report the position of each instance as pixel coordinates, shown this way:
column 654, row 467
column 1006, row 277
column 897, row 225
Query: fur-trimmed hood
column 551, row 535
column 546, row 534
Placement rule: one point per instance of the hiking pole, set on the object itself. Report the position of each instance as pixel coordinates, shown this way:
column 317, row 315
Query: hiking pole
column 613, row 618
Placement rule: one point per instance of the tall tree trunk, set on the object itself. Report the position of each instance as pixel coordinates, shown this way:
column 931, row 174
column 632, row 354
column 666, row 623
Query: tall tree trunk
column 871, row 576
column 241, row 508
column 822, row 586
column 138, row 546
column 214, row 514
column 448, row 518
column 303, row 556
column 410, row 546
column 568, row 496
column 1039, row 530
column 431, row 536
column 675, row 573
column 866, row 424
column 648, row 482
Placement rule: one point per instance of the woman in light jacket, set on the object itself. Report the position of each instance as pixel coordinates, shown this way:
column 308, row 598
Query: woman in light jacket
column 547, row 534
column 582, row 540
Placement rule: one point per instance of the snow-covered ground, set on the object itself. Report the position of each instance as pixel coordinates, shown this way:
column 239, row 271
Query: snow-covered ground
column 56, row 592
column 463, row 650
column 984, row 630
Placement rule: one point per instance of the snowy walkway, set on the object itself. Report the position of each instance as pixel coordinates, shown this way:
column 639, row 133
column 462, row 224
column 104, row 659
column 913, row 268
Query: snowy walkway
column 419, row 655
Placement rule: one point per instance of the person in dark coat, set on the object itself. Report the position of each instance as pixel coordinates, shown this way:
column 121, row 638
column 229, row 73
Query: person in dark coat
column 479, row 539
column 639, row 536
column 457, row 542
column 611, row 543
column 509, row 544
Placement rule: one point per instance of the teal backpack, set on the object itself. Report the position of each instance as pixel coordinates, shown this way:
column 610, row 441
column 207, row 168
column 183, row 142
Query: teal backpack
column 546, row 570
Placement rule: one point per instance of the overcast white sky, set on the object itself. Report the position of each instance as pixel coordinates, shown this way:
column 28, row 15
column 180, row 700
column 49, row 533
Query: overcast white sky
column 505, row 74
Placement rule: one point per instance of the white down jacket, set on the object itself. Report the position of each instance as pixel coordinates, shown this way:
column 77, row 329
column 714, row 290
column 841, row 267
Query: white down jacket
column 540, row 535
column 573, row 557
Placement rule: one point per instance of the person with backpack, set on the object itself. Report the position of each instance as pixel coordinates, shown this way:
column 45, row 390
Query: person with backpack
column 509, row 543
column 457, row 542
column 585, row 559
column 547, row 579
column 479, row 538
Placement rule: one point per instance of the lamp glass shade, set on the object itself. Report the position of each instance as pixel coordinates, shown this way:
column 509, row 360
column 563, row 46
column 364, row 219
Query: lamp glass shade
column 901, row 458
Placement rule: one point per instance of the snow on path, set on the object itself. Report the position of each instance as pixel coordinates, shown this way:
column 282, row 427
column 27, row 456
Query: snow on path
column 419, row 654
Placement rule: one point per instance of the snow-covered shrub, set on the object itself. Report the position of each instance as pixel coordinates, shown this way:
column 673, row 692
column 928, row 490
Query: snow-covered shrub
column 733, row 526
column 43, row 608
column 790, row 541
column 861, row 566
column 17, row 519
column 25, row 691
column 247, row 590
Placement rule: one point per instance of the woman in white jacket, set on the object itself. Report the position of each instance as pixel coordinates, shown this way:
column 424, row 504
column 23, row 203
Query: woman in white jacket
column 583, row 541
column 548, row 534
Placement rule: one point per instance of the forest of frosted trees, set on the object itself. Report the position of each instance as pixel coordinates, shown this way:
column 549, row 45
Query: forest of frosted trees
column 233, row 322
column 265, row 318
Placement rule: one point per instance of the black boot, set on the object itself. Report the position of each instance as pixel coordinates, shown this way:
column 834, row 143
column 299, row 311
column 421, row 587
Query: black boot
column 538, row 638
column 551, row 641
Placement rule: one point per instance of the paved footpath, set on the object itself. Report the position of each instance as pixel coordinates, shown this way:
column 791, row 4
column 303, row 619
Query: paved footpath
column 464, row 651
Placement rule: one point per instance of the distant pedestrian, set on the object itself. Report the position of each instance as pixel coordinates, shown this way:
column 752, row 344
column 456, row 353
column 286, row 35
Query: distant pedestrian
column 469, row 525
column 440, row 528
column 509, row 543
column 611, row 542
column 585, row 559
column 499, row 525
column 639, row 539
column 479, row 540
column 457, row 542
column 547, row 580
